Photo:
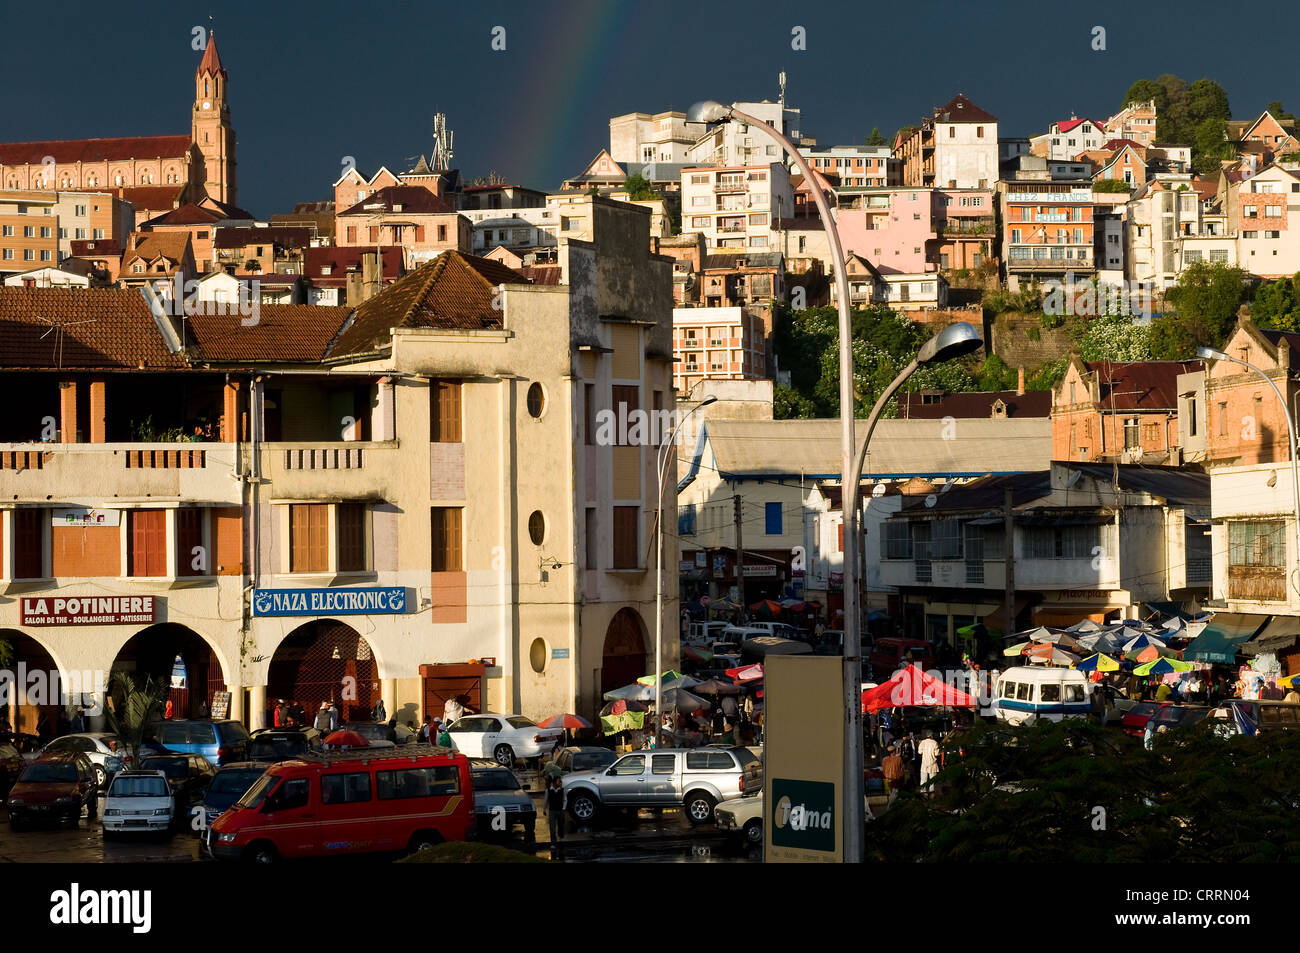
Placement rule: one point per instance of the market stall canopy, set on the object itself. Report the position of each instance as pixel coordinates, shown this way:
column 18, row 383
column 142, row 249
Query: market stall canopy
column 746, row 673
column 639, row 693
column 1280, row 633
column 910, row 687
column 1223, row 636
column 765, row 645
column 1098, row 663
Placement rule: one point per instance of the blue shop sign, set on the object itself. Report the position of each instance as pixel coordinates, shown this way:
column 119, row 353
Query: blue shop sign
column 377, row 600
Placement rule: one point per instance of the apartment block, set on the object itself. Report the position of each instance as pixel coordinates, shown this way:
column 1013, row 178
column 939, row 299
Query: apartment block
column 1047, row 230
column 856, row 165
column 736, row 206
column 955, row 148
column 720, row 343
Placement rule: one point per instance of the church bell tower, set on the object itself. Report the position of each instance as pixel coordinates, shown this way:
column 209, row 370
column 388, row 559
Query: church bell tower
column 212, row 131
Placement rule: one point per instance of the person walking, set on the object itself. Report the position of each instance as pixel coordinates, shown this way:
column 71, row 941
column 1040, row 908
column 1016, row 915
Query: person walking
column 557, row 802
column 322, row 722
column 379, row 713
column 892, row 768
column 929, row 752
column 334, row 716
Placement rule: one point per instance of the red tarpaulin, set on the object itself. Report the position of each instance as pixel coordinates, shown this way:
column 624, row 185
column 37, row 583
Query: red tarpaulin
column 746, row 673
column 911, row 687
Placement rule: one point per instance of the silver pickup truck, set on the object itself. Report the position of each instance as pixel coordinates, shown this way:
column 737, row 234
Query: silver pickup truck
column 694, row 779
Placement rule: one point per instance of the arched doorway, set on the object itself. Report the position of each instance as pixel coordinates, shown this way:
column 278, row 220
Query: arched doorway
column 31, row 704
column 153, row 651
column 324, row 660
column 623, row 660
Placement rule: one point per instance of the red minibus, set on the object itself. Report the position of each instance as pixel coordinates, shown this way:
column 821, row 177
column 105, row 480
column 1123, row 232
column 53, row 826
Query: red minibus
column 349, row 802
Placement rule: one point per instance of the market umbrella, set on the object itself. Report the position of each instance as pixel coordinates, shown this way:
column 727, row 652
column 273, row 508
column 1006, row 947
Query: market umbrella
column 697, row 654
column 345, row 739
column 566, row 721
column 714, row 687
column 1085, row 626
column 621, row 705
column 1163, row 666
column 623, row 721
column 1098, row 663
column 746, row 673
column 1141, row 641
column 1286, row 681
column 634, row 692
column 1056, row 638
column 669, row 676
column 766, row 609
column 680, row 699
column 1101, row 641
column 1017, row 649
column 911, row 687
column 1047, row 652
column 1149, row 654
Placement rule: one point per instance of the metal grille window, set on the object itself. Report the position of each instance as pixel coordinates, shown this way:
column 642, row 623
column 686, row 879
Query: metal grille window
column 686, row 520
column 945, row 540
column 1257, row 544
column 1061, row 542
column 897, row 540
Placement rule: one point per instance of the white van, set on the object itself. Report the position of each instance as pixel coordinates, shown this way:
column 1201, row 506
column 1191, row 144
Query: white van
column 704, row 633
column 1030, row 693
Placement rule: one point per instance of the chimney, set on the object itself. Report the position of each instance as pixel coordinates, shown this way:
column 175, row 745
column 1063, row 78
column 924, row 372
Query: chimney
column 1020, row 384
column 1284, row 354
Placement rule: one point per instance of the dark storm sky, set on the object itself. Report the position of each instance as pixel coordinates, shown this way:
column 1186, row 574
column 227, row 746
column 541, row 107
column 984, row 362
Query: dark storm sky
column 314, row 82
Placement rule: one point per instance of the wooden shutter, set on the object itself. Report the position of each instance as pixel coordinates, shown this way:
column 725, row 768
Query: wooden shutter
column 626, row 398
column 147, row 546
column 189, row 533
column 374, row 233
column 352, row 537
column 309, row 537
column 444, row 412
column 445, row 533
column 29, row 543
column 419, row 233
column 625, row 537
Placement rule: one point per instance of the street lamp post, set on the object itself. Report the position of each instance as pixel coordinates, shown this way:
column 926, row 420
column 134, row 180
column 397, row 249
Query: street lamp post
column 712, row 112
column 665, row 454
column 1212, row 354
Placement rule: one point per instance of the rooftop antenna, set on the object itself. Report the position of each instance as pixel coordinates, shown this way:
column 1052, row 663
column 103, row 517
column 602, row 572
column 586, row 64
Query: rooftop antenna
column 58, row 327
column 782, row 82
column 442, row 144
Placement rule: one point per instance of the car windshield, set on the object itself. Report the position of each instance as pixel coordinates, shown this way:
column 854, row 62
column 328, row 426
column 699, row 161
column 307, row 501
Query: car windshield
column 233, row 782
column 175, row 768
column 51, row 773
column 1144, row 710
column 255, row 795
column 518, row 721
column 127, row 786
column 495, row 780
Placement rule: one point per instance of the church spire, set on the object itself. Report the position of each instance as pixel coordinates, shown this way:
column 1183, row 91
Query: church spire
column 211, row 62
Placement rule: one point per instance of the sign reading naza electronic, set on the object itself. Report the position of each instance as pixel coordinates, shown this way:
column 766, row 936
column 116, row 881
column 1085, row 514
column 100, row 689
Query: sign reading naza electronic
column 369, row 601
column 803, row 814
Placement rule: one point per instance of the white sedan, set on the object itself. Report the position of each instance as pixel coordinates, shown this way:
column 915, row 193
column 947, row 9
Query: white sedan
column 101, row 747
column 501, row 737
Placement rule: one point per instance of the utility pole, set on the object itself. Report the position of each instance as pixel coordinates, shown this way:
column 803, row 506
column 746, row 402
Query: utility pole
column 740, row 551
column 1009, row 554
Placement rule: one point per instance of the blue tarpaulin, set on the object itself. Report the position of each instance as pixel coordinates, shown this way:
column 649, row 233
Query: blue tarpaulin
column 1221, row 638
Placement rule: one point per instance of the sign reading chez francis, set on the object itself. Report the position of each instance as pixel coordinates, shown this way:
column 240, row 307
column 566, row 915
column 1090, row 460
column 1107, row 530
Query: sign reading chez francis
column 90, row 610
column 374, row 600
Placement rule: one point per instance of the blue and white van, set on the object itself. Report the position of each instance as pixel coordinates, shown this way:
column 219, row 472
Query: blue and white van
column 1030, row 693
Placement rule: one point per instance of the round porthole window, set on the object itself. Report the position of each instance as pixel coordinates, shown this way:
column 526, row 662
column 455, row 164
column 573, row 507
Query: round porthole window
column 536, row 400
column 537, row 655
column 537, row 527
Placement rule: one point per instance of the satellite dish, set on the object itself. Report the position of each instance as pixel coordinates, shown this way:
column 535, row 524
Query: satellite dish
column 931, row 500
column 878, row 490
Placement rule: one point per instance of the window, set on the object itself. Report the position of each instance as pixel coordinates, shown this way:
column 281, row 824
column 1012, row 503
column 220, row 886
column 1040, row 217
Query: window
column 772, row 519
column 664, row 763
column 1219, row 254
column 29, row 231
column 442, row 233
column 351, row 532
column 79, row 209
column 444, row 412
column 441, row 781
column 147, row 543
column 952, row 132
column 29, row 543
column 631, row 766
column 1191, row 416
column 1131, row 433
column 686, row 519
column 1272, row 211
column 189, row 536
column 348, row 788
column 46, row 232
column 897, row 540
column 945, row 540
column 1249, row 211
column 1190, row 257
column 309, row 537
column 626, row 399
column 537, row 527
column 1049, row 693
column 1259, row 544
column 979, row 132
column 593, row 540
column 626, row 537
column 7, row 231
column 97, row 233
column 445, row 539
column 1061, row 542
column 1223, row 419
column 536, row 400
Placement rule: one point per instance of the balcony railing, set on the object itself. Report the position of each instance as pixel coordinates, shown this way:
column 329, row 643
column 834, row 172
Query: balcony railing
column 325, row 458
column 1257, row 583
column 968, row 227
column 731, row 185
column 731, row 228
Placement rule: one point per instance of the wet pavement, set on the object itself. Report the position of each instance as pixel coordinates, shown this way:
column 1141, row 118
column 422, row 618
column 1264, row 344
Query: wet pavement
column 85, row 844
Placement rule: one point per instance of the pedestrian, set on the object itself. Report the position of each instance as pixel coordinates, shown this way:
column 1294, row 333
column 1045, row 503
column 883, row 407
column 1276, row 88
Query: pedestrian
column 929, row 752
column 444, row 737
column 1292, row 697
column 379, row 713
column 297, row 714
column 718, row 721
column 729, row 708
column 557, row 802
column 334, row 716
column 204, row 711
column 322, row 722
column 167, row 710
column 1163, row 692
column 423, row 736
column 280, row 714
column 892, row 768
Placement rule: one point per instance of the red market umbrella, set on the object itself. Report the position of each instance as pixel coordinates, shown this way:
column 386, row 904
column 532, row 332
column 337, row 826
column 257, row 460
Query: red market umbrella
column 746, row 673
column 910, row 687
column 621, row 705
column 566, row 721
column 346, row 739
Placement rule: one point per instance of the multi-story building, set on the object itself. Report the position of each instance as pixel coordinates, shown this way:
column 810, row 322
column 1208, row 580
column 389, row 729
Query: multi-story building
column 726, row 343
column 1268, row 222
column 411, row 217
column 856, row 165
column 1047, row 228
column 639, row 138
column 200, row 222
column 736, row 206
column 372, row 499
column 895, row 229
column 349, row 276
column 30, row 218
column 956, row 148
column 1067, row 138
column 153, row 256
column 736, row 144
column 1136, row 121
column 261, row 249
column 1173, row 221
column 1264, row 138
column 1119, row 411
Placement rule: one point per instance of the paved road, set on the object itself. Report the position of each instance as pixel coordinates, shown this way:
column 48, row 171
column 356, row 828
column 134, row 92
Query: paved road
column 85, row 844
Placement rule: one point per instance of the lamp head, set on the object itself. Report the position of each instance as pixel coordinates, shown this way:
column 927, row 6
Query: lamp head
column 952, row 342
column 707, row 111
column 711, row 399
column 1210, row 354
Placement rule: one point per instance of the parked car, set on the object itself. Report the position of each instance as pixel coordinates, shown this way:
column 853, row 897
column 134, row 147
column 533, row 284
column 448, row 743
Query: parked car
column 703, row 633
column 101, row 747
column 1180, row 716
column 374, row 731
column 189, row 776
column 498, row 793
column 888, row 655
column 501, row 737
column 1134, row 721
column 54, row 786
column 11, row 765
column 744, row 816
column 281, row 744
column 695, row 779
column 219, row 740
column 138, row 801
column 780, row 629
column 228, row 786
column 584, row 759
column 348, row 802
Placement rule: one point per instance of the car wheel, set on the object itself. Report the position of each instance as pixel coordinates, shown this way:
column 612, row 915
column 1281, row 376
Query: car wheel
column 423, row 840
column 15, row 824
column 754, row 831
column 583, row 808
column 504, row 755
column 92, row 807
column 262, row 853
column 530, row 831
column 100, row 776
column 699, row 808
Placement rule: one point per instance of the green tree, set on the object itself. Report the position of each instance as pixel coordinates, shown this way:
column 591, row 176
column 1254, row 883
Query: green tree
column 1171, row 340
column 995, row 374
column 134, row 703
column 639, row 188
column 1144, row 90
column 1206, row 299
column 1210, row 145
column 1181, row 111
column 876, row 139
column 1049, row 375
column 1276, row 305
column 1275, row 107
column 1111, row 185
column 1114, row 339
column 1206, row 99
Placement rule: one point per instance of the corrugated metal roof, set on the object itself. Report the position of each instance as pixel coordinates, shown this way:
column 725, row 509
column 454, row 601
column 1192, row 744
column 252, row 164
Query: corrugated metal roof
column 899, row 448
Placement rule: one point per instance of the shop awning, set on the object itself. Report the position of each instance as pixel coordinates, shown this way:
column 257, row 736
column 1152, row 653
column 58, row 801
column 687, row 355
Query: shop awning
column 1222, row 637
column 1280, row 633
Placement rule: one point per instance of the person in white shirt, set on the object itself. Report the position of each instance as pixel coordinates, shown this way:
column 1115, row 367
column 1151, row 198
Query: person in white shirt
column 929, row 752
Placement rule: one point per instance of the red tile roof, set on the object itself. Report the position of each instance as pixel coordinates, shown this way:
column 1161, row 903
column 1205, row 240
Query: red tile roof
column 79, row 329
column 283, row 333
column 452, row 291
column 187, row 214
column 1065, row 125
column 211, row 62
column 412, row 198
column 94, row 150
column 1032, row 403
column 961, row 109
column 341, row 258
column 96, row 248
column 1140, row 385
column 542, row 274
column 237, row 236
